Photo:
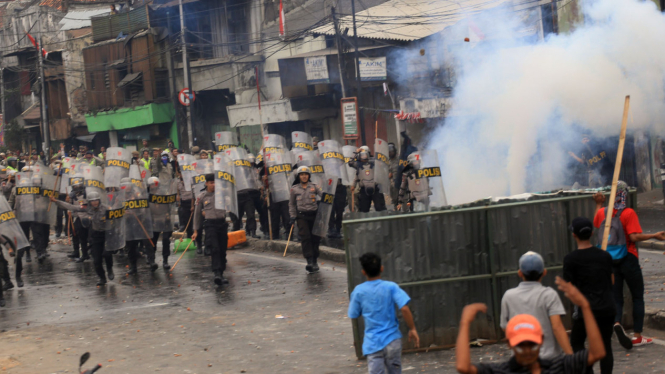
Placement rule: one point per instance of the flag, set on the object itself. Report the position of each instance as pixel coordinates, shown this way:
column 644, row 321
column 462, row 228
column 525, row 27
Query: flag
column 282, row 27
column 34, row 42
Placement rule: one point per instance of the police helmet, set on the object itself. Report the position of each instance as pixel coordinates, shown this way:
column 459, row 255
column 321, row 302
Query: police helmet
column 26, row 168
column 94, row 195
column 363, row 155
column 251, row 157
column 364, row 148
column 303, row 169
column 11, row 172
column 153, row 182
column 414, row 160
column 392, row 148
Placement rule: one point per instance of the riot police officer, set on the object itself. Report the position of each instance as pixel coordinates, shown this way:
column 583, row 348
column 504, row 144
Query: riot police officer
column 80, row 220
column 413, row 188
column 12, row 164
column 213, row 221
column 302, row 209
column 185, row 208
column 368, row 189
column 138, row 223
column 98, row 212
column 161, row 192
column 40, row 229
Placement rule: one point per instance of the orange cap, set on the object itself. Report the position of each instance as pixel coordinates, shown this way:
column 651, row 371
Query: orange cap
column 524, row 328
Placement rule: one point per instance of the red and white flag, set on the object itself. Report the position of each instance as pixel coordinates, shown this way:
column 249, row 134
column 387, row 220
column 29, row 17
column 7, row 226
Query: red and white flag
column 282, row 25
column 34, row 42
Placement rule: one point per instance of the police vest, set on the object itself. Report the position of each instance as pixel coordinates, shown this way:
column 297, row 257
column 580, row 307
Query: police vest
column 418, row 187
column 366, row 175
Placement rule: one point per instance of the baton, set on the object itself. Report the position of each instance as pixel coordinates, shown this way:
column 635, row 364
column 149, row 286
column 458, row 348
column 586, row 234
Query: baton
column 288, row 241
column 144, row 230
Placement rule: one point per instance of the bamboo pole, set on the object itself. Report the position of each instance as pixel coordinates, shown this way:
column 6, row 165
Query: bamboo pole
column 617, row 171
column 288, row 241
column 183, row 253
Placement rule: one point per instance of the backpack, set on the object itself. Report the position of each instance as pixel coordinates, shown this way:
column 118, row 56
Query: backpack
column 616, row 243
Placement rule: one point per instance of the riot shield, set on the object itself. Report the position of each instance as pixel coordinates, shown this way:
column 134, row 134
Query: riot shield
column 273, row 143
column 325, row 206
column 279, row 175
column 242, row 169
column 333, row 160
column 139, row 175
column 186, row 169
column 161, row 201
column 26, row 195
column 225, row 140
column 42, row 212
column 226, row 197
column 301, row 140
column 313, row 161
column 94, row 181
column 10, row 227
column 430, row 168
column 64, row 175
column 381, row 165
column 115, row 222
column 74, row 171
column 349, row 153
column 138, row 219
column 117, row 166
column 201, row 168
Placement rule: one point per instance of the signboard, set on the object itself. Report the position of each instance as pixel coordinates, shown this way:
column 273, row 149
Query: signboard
column 350, row 117
column 372, row 68
column 185, row 97
column 316, row 70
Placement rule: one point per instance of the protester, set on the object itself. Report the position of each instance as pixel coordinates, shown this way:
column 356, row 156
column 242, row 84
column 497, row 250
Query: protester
column 626, row 267
column 375, row 301
column 531, row 297
column 525, row 337
column 590, row 270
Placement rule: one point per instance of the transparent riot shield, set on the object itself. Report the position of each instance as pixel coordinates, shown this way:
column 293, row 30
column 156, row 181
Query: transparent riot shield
column 162, row 199
column 430, row 169
column 226, row 197
column 115, row 222
column 10, row 227
column 26, row 195
column 118, row 161
column 381, row 165
column 301, row 140
column 333, row 160
column 243, row 171
column 139, row 175
column 65, row 167
column 325, row 206
column 279, row 175
column 138, row 219
column 313, row 161
column 94, row 181
column 45, row 211
column 186, row 169
column 349, row 153
column 75, row 174
column 273, row 143
column 225, row 140
column 201, row 168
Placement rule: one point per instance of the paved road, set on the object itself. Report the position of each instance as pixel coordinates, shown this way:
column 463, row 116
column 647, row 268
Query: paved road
column 143, row 324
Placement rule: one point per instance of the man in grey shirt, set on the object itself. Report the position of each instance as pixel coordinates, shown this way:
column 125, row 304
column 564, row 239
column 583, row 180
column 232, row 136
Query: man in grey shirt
column 531, row 297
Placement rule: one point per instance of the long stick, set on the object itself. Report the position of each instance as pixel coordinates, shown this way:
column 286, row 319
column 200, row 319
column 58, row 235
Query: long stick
column 144, row 230
column 49, row 202
column 183, row 253
column 353, row 201
column 71, row 228
column 265, row 161
column 288, row 241
column 617, row 171
column 376, row 128
column 175, row 250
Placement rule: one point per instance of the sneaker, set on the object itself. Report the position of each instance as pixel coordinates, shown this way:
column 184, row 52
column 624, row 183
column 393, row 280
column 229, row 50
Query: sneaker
column 624, row 340
column 641, row 341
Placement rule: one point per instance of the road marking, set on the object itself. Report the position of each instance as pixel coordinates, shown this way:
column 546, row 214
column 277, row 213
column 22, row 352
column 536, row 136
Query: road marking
column 291, row 261
column 659, row 342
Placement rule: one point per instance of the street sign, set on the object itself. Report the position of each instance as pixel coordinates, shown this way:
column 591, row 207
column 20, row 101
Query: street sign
column 185, row 97
column 350, row 117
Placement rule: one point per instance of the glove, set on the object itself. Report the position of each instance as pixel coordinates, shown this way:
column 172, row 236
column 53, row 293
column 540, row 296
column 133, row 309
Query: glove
column 292, row 221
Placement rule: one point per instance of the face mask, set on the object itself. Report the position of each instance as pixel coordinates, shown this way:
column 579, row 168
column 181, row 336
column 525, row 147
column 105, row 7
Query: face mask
column 165, row 160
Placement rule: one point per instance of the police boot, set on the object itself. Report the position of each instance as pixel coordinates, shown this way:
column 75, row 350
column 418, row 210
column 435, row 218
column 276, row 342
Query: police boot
column 219, row 278
column 309, row 267
column 331, row 233
column 315, row 265
column 28, row 257
column 8, row 285
column 199, row 250
column 338, row 234
column 166, row 263
column 110, row 274
column 41, row 257
column 206, row 251
column 19, row 282
column 153, row 266
column 101, row 282
column 74, row 254
column 132, row 270
column 253, row 234
column 81, row 259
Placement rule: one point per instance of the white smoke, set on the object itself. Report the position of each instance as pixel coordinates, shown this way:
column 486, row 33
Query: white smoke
column 516, row 109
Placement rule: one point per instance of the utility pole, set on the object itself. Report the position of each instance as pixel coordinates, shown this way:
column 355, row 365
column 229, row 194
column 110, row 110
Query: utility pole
column 2, row 95
column 186, row 77
column 338, row 40
column 172, row 83
column 357, row 58
column 47, row 136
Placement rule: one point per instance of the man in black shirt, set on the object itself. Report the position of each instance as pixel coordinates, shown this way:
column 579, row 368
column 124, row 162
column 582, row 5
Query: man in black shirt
column 525, row 335
column 590, row 269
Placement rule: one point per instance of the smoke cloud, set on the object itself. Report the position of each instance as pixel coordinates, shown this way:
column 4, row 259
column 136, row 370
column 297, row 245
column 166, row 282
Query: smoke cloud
column 519, row 106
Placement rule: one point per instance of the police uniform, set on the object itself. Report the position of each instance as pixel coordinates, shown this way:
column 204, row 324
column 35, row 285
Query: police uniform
column 393, row 165
column 4, row 269
column 7, row 185
column 369, row 191
column 185, row 208
column 80, row 231
column 213, row 221
column 302, row 208
column 337, row 213
column 412, row 188
column 26, row 227
column 97, row 235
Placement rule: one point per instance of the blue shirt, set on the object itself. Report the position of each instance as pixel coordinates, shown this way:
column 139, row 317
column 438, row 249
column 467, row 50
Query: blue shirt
column 375, row 301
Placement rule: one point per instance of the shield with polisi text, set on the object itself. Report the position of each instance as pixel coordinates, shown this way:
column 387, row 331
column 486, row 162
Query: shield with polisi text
column 186, row 169
column 115, row 222
column 381, row 165
column 279, row 167
column 117, row 165
column 161, row 200
column 325, row 206
column 333, row 160
column 242, row 169
column 225, row 140
column 313, row 161
column 93, row 177
column 26, row 196
column 138, row 219
column 226, row 197
column 10, row 227
column 201, row 168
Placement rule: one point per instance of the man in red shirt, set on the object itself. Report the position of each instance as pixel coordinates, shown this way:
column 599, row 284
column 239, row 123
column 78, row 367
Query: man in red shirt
column 628, row 267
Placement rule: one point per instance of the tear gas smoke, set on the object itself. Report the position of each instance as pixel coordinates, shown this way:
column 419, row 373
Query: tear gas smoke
column 518, row 107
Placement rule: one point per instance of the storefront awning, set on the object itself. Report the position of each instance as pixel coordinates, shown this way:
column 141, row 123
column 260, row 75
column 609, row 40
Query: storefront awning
column 86, row 138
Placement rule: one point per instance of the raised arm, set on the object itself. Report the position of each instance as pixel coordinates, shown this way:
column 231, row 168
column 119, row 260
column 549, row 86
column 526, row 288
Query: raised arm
column 462, row 350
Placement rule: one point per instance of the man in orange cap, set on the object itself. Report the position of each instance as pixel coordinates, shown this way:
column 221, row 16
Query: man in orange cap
column 525, row 336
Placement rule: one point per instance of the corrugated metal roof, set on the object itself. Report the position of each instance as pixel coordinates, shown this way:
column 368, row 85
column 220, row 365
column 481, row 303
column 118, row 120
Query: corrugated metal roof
column 409, row 20
column 80, row 18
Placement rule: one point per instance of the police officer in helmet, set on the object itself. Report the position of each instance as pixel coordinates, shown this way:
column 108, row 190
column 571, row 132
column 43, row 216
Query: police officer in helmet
column 369, row 189
column 303, row 204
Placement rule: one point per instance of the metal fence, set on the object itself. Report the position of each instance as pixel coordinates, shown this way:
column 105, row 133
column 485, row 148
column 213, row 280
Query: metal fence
column 447, row 259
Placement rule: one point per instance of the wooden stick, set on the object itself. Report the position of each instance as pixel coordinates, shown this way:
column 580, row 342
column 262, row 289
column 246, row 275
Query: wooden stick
column 144, row 230
column 183, row 253
column 55, row 184
column 376, row 129
column 617, row 171
column 353, row 200
column 288, row 241
column 71, row 228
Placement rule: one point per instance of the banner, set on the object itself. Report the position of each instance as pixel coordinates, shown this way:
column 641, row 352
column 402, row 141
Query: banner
column 316, row 70
column 372, row 68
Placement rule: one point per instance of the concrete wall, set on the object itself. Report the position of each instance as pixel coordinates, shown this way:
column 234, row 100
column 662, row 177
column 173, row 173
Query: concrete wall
column 74, row 75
